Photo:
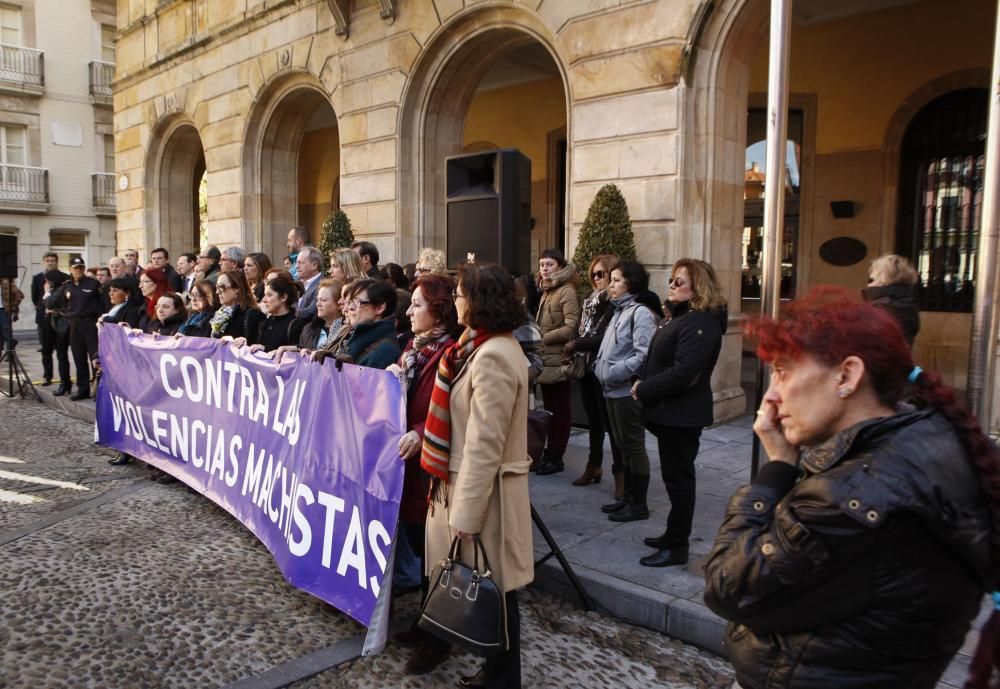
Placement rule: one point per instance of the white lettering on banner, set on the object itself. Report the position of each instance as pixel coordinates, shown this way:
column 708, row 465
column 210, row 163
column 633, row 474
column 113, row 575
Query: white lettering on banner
column 231, row 387
column 267, row 484
column 333, row 504
column 300, row 547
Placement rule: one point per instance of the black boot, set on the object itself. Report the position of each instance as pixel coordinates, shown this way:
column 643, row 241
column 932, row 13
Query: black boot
column 552, row 466
column 120, row 459
column 63, row 388
column 636, row 509
column 81, row 394
column 658, row 542
column 622, row 502
column 666, row 557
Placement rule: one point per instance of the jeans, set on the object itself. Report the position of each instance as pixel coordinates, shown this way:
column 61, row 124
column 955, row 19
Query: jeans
column 597, row 418
column 557, row 399
column 408, row 567
column 678, row 450
column 627, row 428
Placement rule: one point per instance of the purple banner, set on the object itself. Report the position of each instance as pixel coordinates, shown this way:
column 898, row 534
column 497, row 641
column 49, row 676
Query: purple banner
column 304, row 455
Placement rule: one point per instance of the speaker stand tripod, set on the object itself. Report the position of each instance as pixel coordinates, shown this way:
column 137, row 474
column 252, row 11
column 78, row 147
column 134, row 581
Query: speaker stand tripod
column 557, row 553
column 17, row 377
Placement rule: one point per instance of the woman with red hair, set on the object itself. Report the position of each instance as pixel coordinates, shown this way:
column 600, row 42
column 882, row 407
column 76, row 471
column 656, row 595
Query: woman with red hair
column 153, row 285
column 859, row 555
column 435, row 326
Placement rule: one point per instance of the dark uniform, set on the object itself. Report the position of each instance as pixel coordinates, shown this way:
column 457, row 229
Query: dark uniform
column 81, row 303
column 49, row 338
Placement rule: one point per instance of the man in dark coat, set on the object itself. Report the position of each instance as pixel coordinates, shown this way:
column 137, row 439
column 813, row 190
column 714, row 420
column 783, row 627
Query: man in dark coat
column 161, row 259
column 43, row 324
column 80, row 300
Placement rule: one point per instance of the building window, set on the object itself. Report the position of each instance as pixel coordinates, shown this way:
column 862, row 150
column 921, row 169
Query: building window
column 68, row 244
column 10, row 25
column 940, row 200
column 12, row 145
column 107, row 43
column 109, row 153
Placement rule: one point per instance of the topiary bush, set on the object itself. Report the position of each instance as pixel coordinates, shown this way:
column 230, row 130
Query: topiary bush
column 336, row 234
column 606, row 230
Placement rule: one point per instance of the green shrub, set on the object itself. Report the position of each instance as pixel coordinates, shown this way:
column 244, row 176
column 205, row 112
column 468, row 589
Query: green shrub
column 336, row 234
column 606, row 230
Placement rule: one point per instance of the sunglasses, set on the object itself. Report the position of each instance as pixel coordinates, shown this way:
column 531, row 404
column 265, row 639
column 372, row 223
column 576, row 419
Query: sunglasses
column 358, row 303
column 677, row 282
column 222, row 288
column 597, row 275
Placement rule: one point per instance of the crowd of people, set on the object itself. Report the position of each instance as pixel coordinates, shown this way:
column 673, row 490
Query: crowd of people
column 858, row 555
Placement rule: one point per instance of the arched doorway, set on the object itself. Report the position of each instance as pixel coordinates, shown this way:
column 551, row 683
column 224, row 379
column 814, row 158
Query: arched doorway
column 174, row 180
column 474, row 88
column 291, row 164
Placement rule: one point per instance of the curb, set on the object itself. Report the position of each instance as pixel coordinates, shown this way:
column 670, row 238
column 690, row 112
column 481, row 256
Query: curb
column 679, row 618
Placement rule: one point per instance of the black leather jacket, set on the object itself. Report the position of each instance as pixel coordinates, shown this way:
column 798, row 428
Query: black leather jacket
column 863, row 568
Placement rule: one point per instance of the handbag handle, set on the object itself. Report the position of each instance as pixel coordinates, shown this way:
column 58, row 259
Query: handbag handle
column 477, row 546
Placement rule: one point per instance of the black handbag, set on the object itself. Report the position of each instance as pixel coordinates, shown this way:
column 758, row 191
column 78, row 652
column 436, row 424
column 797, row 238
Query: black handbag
column 464, row 605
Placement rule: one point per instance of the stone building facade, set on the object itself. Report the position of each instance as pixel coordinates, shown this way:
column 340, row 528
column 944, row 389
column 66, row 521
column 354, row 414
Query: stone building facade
column 289, row 108
column 56, row 132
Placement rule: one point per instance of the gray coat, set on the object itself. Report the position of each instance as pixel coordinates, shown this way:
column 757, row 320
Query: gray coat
column 624, row 347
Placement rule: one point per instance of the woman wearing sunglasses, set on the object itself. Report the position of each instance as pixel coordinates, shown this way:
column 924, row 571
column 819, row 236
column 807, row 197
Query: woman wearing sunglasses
column 676, row 393
column 597, row 313
column 238, row 315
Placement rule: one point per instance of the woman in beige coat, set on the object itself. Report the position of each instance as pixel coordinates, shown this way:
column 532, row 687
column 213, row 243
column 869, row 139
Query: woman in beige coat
column 558, row 319
column 476, row 448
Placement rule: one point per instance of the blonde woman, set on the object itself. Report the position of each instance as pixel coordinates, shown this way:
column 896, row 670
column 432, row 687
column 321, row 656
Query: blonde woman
column 346, row 266
column 891, row 281
column 431, row 261
column 675, row 390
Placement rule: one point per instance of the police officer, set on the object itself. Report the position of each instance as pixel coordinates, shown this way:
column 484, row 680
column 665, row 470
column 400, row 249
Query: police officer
column 79, row 298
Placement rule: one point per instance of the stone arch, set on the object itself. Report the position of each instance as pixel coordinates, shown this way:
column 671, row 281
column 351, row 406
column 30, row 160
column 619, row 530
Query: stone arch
column 271, row 145
column 174, row 168
column 714, row 111
column 435, row 100
column 714, row 99
column 914, row 103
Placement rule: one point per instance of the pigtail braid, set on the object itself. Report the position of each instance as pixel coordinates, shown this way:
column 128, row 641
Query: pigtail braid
column 986, row 458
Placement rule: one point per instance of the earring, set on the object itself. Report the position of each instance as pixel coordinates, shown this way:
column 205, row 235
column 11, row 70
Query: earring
column 842, row 393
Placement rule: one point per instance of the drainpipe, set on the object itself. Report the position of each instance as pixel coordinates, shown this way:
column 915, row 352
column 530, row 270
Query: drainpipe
column 982, row 361
column 774, row 186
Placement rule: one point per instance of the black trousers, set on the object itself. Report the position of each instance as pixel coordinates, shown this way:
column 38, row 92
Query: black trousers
column 51, row 341
column 678, row 449
column 83, row 342
column 504, row 667
column 592, row 397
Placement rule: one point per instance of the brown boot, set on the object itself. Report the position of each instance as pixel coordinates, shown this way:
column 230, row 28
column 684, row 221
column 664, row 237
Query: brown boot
column 619, row 484
column 591, row 474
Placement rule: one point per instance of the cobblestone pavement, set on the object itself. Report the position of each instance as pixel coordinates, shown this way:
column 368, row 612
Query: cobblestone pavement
column 109, row 580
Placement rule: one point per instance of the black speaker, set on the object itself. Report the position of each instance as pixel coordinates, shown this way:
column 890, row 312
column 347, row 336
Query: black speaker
column 488, row 202
column 8, row 257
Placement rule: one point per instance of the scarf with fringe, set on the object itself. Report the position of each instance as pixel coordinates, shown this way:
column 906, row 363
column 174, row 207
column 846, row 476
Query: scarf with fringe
column 437, row 430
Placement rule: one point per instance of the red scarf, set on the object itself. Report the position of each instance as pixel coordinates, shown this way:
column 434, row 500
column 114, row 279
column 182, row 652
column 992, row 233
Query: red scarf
column 437, row 430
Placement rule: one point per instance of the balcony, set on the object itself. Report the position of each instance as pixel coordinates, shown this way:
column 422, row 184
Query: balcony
column 101, row 76
column 24, row 189
column 22, row 70
column 102, row 186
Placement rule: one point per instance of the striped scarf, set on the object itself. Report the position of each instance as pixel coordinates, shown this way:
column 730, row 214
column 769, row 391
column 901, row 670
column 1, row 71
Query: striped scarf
column 437, row 430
